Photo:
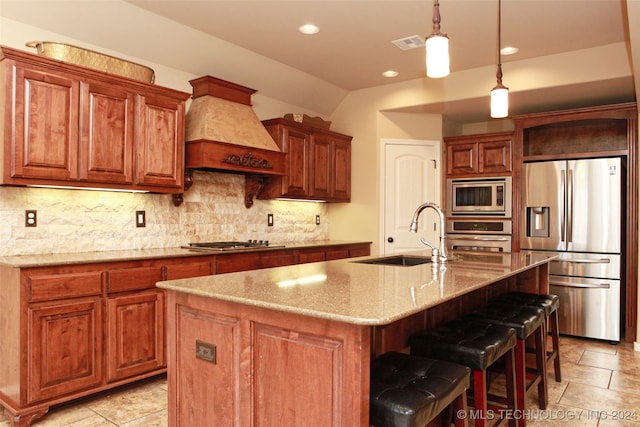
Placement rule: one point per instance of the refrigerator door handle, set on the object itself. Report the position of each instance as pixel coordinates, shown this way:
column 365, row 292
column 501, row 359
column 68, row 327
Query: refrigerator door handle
column 570, row 206
column 584, row 261
column 581, row 285
column 564, row 203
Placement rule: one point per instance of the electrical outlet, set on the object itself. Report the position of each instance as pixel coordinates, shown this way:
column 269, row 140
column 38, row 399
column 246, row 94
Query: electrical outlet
column 270, row 220
column 317, row 219
column 30, row 218
column 140, row 219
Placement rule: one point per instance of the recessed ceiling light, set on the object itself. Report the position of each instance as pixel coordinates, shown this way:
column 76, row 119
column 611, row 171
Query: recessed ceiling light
column 308, row 29
column 390, row 73
column 508, row 50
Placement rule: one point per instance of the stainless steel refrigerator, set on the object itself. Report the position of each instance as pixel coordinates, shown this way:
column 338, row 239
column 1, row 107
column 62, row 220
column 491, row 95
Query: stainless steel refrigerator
column 574, row 208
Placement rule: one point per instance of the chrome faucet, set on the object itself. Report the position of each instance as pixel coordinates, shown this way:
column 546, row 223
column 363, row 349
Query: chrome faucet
column 440, row 253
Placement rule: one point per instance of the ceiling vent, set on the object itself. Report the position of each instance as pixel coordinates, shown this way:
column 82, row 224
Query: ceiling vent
column 411, row 42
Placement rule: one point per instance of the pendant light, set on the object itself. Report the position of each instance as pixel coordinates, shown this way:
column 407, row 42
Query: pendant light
column 500, row 93
column 437, row 46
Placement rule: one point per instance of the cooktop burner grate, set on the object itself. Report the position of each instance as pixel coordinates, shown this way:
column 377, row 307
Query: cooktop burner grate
column 221, row 246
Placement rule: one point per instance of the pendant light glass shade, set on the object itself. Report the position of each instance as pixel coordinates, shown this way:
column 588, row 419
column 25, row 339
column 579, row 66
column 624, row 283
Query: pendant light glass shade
column 499, row 102
column 437, row 46
column 437, row 56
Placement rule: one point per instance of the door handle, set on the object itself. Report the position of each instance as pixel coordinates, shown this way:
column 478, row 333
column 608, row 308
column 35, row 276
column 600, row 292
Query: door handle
column 390, row 239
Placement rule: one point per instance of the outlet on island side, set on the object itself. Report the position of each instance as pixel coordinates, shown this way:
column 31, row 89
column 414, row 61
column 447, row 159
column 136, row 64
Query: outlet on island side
column 317, row 219
column 270, row 220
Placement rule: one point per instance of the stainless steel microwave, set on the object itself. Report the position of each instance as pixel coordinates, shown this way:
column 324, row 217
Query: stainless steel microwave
column 480, row 197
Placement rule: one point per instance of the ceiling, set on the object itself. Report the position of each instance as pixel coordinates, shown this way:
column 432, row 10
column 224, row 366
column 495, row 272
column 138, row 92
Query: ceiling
column 354, row 45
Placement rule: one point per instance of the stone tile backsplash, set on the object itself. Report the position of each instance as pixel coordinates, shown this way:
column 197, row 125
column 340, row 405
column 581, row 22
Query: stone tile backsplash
column 213, row 209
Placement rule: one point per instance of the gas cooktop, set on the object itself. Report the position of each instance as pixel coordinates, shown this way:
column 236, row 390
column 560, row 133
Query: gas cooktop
column 234, row 245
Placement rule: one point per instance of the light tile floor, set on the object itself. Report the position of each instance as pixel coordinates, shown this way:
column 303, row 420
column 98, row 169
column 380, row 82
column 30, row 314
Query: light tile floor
column 600, row 387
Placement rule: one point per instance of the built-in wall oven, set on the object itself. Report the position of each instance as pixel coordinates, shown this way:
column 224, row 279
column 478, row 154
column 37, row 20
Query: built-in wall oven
column 479, row 197
column 490, row 235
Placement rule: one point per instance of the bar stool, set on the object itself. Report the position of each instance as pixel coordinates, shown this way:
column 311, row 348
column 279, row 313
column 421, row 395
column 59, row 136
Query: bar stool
column 549, row 303
column 527, row 321
column 411, row 391
column 478, row 346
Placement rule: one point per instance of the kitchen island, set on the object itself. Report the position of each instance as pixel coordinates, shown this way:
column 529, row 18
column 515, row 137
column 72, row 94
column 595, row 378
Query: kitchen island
column 292, row 345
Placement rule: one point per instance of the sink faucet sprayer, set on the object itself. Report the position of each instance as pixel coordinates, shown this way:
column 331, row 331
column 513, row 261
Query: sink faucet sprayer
column 437, row 254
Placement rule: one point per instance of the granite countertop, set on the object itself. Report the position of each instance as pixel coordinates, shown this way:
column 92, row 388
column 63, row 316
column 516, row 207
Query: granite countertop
column 45, row 260
column 358, row 293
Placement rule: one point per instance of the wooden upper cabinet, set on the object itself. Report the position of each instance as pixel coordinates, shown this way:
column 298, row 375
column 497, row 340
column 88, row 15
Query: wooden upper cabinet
column 341, row 184
column 318, row 163
column 494, row 156
column 41, row 122
column 106, row 133
column 73, row 126
column 160, row 145
column 296, row 144
column 321, row 167
column 471, row 155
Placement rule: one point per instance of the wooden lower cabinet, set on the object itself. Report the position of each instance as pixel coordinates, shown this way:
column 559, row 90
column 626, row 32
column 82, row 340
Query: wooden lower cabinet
column 69, row 331
column 135, row 336
column 64, row 347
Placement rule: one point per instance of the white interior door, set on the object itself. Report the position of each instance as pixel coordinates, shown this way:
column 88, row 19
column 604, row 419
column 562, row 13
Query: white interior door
column 411, row 177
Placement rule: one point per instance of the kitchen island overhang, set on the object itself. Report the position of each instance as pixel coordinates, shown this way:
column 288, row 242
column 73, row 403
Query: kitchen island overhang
column 292, row 345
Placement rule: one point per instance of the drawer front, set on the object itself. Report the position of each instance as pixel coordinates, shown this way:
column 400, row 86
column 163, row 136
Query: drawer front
column 188, row 269
column 131, row 279
column 69, row 285
column 237, row 262
column 337, row 254
column 277, row 259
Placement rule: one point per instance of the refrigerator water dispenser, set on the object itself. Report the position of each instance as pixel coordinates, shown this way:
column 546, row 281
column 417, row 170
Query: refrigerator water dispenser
column 537, row 221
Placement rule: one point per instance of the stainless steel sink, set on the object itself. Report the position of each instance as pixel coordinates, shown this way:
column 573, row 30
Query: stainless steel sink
column 400, row 260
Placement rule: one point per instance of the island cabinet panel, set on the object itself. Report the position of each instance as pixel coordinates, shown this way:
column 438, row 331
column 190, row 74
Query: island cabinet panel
column 65, row 348
column 135, row 336
column 208, row 345
column 285, row 361
column 270, row 368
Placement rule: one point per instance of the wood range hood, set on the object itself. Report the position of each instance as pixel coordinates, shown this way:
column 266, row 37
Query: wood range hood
column 223, row 134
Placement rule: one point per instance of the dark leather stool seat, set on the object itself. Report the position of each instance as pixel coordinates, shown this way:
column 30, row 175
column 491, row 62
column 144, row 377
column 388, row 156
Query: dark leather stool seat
column 527, row 321
column 474, row 344
column 549, row 303
column 410, row 391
